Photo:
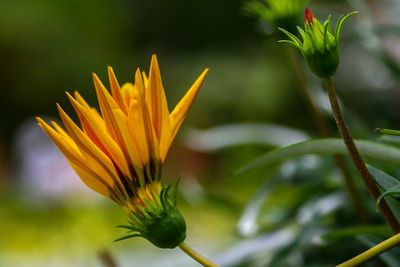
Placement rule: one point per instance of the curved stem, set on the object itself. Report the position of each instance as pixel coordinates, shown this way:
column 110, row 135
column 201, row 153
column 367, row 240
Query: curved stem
column 356, row 157
column 324, row 131
column 372, row 252
column 196, row 256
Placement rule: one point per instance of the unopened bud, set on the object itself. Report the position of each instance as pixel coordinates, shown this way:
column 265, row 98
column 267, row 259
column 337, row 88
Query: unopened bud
column 319, row 44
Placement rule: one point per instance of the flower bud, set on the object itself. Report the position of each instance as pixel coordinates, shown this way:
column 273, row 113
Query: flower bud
column 157, row 220
column 166, row 229
column 320, row 44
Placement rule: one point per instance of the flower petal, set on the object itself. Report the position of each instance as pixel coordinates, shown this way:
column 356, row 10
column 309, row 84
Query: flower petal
column 130, row 141
column 99, row 162
column 75, row 159
column 158, row 107
column 139, row 122
column 126, row 92
column 151, row 136
column 116, row 90
column 98, row 133
column 181, row 109
column 107, row 103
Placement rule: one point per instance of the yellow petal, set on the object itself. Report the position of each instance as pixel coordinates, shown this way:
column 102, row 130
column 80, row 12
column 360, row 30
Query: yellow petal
column 76, row 160
column 116, row 90
column 91, row 122
column 66, row 136
column 81, row 110
column 107, row 103
column 82, row 101
column 158, row 107
column 92, row 180
column 130, row 141
column 71, row 152
column 143, row 111
column 126, row 92
column 145, row 79
column 181, row 109
column 95, row 158
column 97, row 132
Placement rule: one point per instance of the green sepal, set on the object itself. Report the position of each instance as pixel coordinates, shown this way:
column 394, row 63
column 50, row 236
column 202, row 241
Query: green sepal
column 339, row 25
column 293, row 39
column 127, row 237
column 160, row 222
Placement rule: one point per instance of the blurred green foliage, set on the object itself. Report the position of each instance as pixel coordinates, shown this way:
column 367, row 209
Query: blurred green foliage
column 48, row 47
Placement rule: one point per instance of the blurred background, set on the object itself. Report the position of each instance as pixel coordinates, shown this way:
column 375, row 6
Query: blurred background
column 250, row 103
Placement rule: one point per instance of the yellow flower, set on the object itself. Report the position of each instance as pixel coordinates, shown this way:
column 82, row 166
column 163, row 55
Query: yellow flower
column 119, row 152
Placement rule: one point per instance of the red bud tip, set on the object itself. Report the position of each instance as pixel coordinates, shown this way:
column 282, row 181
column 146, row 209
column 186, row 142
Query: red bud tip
column 308, row 16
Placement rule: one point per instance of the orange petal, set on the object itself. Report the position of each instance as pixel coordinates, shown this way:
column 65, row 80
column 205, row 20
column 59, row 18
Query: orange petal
column 82, row 101
column 107, row 103
column 76, row 160
column 127, row 91
column 101, row 138
column 181, row 109
column 92, row 180
column 95, row 158
column 141, row 129
column 158, row 107
column 151, row 137
column 130, row 141
column 116, row 90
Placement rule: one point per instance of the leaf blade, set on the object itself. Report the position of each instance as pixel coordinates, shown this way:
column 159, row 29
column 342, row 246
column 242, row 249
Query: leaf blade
column 327, row 146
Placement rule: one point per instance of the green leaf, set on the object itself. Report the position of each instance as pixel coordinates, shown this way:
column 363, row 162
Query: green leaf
column 387, row 182
column 395, row 190
column 230, row 135
column 388, row 131
column 394, row 205
column 390, row 140
column 350, row 232
column 383, row 179
column 328, row 146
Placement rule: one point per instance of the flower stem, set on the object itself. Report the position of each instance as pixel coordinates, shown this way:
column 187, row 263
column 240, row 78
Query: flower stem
column 372, row 252
column 324, row 131
column 196, row 256
column 356, row 157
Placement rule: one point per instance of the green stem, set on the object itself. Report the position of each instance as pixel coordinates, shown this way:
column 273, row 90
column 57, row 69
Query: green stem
column 356, row 157
column 196, row 256
column 372, row 252
column 388, row 131
column 324, row 131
